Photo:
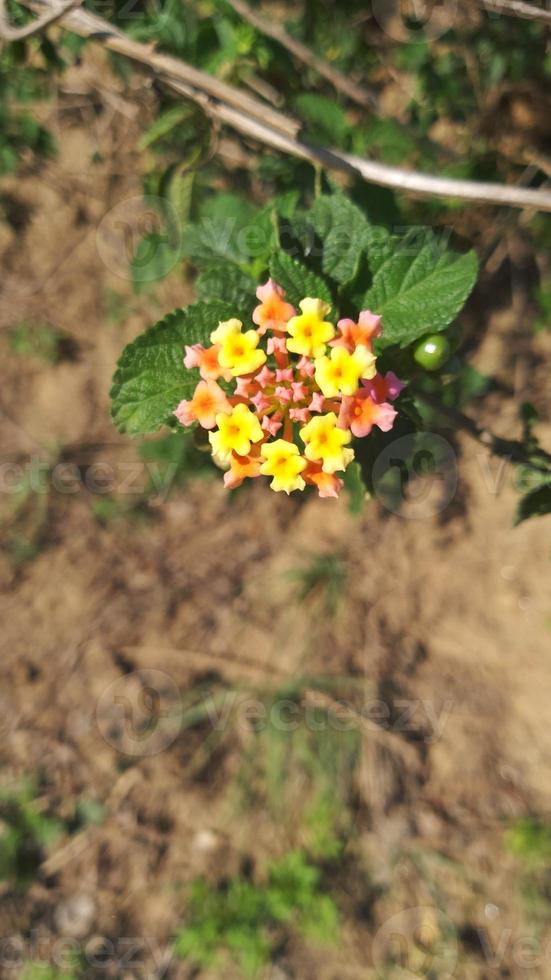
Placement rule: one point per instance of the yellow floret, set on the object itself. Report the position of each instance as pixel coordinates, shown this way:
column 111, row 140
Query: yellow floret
column 284, row 463
column 325, row 442
column 238, row 351
column 340, row 373
column 309, row 332
column 235, row 433
column 226, row 328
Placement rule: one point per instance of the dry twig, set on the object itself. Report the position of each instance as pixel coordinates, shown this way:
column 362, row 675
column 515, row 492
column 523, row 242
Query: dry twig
column 254, row 119
column 354, row 91
column 517, row 8
column 9, row 33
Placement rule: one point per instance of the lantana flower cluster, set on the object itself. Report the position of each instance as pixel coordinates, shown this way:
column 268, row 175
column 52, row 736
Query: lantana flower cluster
column 296, row 391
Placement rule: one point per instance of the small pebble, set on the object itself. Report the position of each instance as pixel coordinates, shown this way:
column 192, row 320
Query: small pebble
column 74, row 916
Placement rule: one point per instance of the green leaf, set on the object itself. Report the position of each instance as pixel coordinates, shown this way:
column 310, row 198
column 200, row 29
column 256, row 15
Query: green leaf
column 221, row 232
column 543, row 299
column 346, row 234
column 213, row 239
column 326, row 119
column 285, row 204
column 151, row 379
column 226, row 282
column 164, row 124
column 177, row 186
column 297, row 281
column 529, row 415
column 389, row 139
column 419, row 291
column 227, row 205
column 535, row 504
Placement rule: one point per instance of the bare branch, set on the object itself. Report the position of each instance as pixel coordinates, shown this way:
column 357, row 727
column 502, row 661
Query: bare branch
column 411, row 181
column 89, row 25
column 9, row 33
column 517, row 8
column 254, row 119
column 169, row 68
column 358, row 93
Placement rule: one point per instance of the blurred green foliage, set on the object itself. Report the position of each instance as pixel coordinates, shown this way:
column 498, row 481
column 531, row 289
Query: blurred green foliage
column 323, row 575
column 117, row 307
column 211, row 35
column 244, row 919
column 25, row 832
column 300, row 764
column 24, row 517
column 543, row 299
column 28, row 830
column 21, row 86
column 530, row 840
column 40, row 971
column 36, row 340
